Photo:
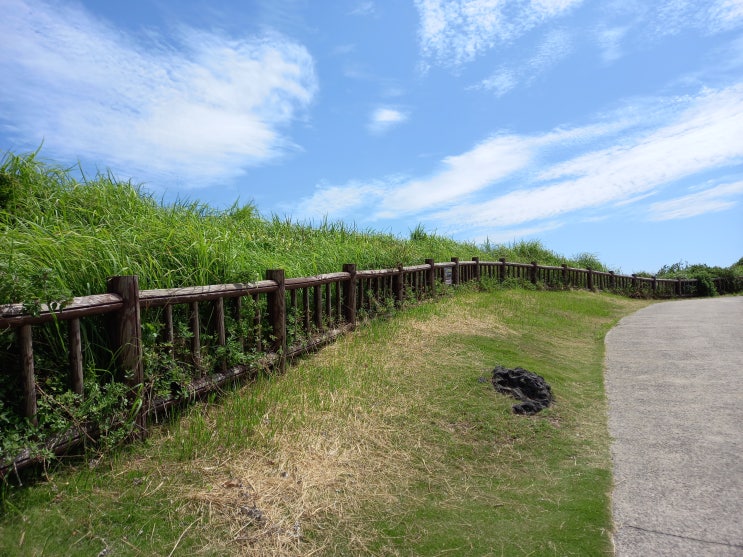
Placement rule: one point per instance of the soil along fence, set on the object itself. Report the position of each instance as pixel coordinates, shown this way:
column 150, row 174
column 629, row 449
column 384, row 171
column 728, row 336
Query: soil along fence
column 170, row 346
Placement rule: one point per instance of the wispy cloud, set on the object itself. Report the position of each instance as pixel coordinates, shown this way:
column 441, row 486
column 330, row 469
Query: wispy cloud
column 199, row 105
column 510, row 181
column 718, row 198
column 455, row 32
column 609, row 40
column 703, row 137
column 501, row 82
column 384, row 118
column 712, row 16
column 341, row 202
column 366, row 8
column 556, row 46
column 625, row 26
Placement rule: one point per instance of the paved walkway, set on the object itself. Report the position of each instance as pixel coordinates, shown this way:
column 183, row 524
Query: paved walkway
column 674, row 379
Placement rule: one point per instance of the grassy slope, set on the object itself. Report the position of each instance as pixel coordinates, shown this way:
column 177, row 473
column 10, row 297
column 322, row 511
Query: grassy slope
column 50, row 222
column 60, row 237
column 383, row 443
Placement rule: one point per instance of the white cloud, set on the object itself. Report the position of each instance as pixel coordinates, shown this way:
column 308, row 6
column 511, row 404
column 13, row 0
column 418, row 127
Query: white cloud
column 501, row 82
column 663, row 18
column 609, row 39
column 461, row 175
column 718, row 198
column 555, row 46
column 384, row 118
column 201, row 106
column 703, row 137
column 454, row 32
column 510, row 180
column 340, row 201
column 366, row 8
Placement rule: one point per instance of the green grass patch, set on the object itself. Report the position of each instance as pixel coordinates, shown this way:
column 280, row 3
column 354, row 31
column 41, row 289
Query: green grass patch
column 385, row 443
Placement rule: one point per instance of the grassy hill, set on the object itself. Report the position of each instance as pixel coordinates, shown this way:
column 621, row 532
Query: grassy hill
column 61, row 236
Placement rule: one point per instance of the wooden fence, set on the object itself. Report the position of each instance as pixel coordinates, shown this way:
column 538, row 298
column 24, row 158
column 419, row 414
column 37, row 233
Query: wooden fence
column 211, row 329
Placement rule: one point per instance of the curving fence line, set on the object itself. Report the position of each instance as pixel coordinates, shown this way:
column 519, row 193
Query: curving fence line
column 221, row 333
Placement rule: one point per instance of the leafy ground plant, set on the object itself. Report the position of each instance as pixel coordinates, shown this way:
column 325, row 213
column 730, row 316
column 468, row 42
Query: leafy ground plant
column 391, row 441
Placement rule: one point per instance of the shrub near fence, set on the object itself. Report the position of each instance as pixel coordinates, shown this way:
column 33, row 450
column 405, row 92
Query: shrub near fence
column 172, row 345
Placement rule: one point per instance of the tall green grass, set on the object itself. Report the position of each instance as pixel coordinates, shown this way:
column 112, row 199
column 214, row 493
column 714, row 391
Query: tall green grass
column 62, row 235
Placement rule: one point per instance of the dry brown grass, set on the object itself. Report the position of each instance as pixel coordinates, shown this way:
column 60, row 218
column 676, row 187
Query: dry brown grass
column 336, row 454
column 346, row 454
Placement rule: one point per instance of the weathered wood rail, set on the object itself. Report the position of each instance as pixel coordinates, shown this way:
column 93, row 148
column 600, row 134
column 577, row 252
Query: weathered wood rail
column 272, row 319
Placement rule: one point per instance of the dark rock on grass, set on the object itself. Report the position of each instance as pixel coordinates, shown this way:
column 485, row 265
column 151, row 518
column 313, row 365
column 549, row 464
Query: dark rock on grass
column 531, row 389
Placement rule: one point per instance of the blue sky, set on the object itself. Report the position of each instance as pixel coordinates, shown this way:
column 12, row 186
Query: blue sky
column 609, row 127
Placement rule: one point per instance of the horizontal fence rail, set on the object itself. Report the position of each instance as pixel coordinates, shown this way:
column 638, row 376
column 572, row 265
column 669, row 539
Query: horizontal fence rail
column 220, row 333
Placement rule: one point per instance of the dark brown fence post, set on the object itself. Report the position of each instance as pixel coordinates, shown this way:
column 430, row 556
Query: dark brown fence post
column 76, row 357
column 502, row 270
column 169, row 329
column 25, row 341
column 590, row 279
column 277, row 315
column 317, row 306
column 349, row 294
column 534, row 270
column 455, row 270
column 477, row 268
column 127, row 336
column 398, row 285
column 678, row 287
column 221, row 329
column 564, row 275
column 634, row 281
column 655, row 285
column 195, row 334
column 430, row 276
column 612, row 280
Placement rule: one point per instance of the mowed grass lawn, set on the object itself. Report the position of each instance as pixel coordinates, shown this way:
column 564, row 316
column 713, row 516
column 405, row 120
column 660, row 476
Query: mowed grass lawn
column 388, row 442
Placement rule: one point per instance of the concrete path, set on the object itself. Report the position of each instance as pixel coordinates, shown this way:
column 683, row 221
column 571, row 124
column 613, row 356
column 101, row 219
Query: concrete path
column 674, row 379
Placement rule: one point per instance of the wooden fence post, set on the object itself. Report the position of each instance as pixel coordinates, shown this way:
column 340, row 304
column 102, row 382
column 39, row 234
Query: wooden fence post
column 678, row 287
column 277, row 315
column 220, row 329
column 455, row 271
column 430, row 276
column 349, row 294
column 76, row 357
column 317, row 306
column 25, row 340
column 534, row 270
column 655, row 285
column 590, row 279
column 564, row 275
column 195, row 334
column 477, row 268
column 612, row 280
column 398, row 285
column 502, row 270
column 126, row 327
